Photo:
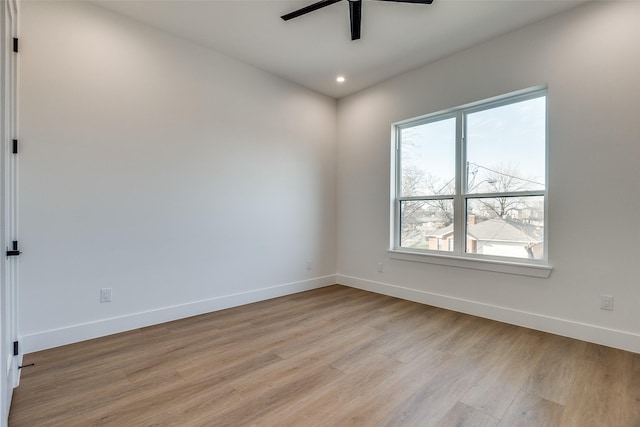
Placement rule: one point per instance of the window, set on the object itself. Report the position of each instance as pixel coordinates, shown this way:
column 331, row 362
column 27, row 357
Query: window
column 471, row 181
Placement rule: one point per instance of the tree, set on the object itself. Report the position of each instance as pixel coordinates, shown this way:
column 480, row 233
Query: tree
column 419, row 217
column 501, row 179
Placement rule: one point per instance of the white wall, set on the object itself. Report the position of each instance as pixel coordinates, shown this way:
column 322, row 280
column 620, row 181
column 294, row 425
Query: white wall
column 188, row 182
column 178, row 177
column 589, row 57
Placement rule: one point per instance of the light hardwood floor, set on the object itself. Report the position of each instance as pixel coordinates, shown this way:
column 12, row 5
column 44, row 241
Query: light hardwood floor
column 330, row 357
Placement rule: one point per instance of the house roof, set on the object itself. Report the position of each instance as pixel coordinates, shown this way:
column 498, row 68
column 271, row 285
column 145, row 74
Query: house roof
column 491, row 229
column 442, row 232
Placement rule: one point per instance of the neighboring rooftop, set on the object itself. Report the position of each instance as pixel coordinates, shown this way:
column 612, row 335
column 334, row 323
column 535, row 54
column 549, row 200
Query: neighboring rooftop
column 492, row 229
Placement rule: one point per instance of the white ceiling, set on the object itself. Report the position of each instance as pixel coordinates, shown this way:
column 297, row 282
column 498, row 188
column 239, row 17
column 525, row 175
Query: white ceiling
column 313, row 49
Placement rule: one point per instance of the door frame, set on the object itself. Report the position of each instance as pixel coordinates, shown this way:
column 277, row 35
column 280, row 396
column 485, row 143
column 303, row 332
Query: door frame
column 9, row 363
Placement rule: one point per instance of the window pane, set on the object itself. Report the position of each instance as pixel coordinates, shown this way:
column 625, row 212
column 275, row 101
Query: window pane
column 427, row 224
column 506, row 148
column 506, row 226
column 428, row 159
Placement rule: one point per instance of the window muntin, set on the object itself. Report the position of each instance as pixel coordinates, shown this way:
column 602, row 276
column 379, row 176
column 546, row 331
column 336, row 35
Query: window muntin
column 472, row 181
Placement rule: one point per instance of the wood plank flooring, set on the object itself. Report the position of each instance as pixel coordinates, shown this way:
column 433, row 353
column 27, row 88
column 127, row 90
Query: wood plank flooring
column 335, row 356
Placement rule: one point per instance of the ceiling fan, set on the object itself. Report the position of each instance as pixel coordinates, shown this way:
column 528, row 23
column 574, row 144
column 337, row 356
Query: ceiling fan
column 355, row 12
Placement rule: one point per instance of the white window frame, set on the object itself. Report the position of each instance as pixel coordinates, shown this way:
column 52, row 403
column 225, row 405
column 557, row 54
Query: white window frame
column 459, row 257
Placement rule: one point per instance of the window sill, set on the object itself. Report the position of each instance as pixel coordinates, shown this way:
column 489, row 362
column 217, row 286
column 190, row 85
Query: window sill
column 522, row 269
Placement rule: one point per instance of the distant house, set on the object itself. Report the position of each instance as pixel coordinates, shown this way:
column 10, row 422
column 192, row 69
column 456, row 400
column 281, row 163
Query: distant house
column 491, row 237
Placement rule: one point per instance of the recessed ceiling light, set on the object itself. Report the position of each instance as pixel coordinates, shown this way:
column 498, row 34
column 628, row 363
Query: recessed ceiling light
column 340, row 79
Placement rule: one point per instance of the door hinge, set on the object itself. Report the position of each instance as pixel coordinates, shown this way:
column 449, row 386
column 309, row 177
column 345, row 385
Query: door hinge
column 15, row 44
column 14, row 149
column 16, row 348
column 14, row 251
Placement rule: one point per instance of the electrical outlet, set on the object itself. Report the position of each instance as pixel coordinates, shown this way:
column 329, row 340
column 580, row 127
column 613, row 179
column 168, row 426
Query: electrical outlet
column 606, row 302
column 105, row 295
column 309, row 265
column 380, row 267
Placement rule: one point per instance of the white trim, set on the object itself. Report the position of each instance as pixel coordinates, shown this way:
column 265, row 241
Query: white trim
column 459, row 208
column 542, row 271
column 85, row 331
column 20, row 357
column 624, row 340
column 9, row 17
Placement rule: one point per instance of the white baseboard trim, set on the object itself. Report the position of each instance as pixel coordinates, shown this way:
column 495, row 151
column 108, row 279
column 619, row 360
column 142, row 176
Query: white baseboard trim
column 623, row 340
column 85, row 331
column 586, row 332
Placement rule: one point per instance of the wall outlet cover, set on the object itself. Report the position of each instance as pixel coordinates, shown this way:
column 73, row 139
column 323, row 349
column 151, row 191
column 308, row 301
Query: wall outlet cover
column 105, row 295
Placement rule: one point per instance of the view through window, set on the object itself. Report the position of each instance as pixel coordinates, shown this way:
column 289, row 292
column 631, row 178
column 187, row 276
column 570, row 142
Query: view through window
column 472, row 180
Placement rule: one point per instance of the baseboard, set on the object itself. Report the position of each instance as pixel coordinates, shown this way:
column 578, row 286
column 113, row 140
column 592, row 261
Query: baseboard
column 591, row 333
column 76, row 333
column 623, row 340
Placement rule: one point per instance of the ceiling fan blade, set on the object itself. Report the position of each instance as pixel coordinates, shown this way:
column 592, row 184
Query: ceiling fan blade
column 411, row 1
column 310, row 8
column 355, row 13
